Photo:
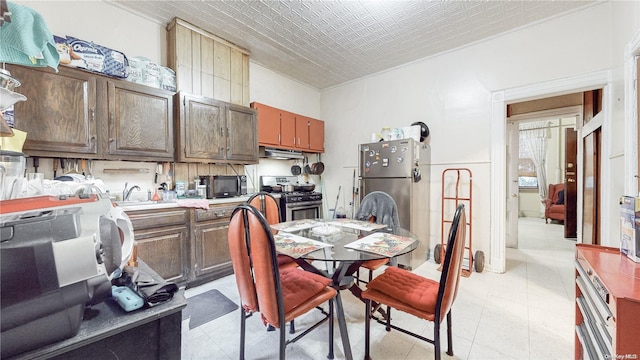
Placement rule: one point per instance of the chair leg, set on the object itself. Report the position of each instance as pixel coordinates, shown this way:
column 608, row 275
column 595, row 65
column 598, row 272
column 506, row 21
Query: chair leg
column 292, row 327
column 388, row 326
column 242, row 329
column 449, row 337
column 367, row 329
column 436, row 339
column 283, row 341
column 330, row 355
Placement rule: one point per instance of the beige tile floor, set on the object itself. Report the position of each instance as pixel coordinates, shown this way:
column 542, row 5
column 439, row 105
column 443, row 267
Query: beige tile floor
column 526, row 313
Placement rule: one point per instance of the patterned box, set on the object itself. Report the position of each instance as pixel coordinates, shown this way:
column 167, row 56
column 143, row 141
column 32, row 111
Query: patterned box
column 630, row 227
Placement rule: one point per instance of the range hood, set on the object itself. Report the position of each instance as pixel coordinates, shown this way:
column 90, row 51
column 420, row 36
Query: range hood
column 282, row 154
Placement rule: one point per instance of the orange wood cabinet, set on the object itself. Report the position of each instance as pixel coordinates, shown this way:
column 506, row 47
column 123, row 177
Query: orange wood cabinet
column 282, row 129
column 607, row 304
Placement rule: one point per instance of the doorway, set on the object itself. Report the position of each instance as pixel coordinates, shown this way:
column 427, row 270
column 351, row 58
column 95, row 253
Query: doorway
column 529, row 179
column 498, row 227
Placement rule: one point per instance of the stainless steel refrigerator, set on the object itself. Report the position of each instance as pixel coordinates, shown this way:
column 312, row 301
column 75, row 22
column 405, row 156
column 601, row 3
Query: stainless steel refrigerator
column 401, row 168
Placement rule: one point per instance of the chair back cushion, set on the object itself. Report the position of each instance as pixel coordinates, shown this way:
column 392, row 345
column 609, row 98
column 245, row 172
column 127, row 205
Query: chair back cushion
column 381, row 207
column 265, row 268
column 267, row 205
column 452, row 265
column 241, row 262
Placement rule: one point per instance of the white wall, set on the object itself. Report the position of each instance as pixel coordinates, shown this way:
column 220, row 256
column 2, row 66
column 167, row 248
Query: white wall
column 451, row 93
column 104, row 24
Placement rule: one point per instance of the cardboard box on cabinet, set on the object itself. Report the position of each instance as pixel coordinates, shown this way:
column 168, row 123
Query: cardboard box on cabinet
column 630, row 227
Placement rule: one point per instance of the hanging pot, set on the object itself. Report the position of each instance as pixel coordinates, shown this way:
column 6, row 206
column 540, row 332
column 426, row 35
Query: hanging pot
column 307, row 168
column 296, row 170
column 317, row 168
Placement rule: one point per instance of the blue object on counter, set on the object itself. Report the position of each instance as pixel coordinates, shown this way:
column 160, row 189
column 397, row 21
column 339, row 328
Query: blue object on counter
column 126, row 298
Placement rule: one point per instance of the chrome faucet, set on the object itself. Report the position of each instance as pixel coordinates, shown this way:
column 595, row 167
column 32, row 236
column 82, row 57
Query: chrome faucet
column 126, row 193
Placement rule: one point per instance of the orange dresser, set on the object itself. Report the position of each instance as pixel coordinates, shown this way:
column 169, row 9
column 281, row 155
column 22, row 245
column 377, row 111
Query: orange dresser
column 607, row 304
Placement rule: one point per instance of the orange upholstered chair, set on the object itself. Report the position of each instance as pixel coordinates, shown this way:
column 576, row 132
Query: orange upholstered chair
column 425, row 298
column 554, row 204
column 280, row 295
column 268, row 206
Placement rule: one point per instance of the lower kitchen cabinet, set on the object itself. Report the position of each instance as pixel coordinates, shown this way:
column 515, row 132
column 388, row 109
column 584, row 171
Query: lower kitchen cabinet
column 163, row 241
column 211, row 247
column 184, row 245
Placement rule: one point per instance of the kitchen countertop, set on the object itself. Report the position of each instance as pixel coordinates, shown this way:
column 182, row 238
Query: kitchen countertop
column 145, row 205
column 107, row 329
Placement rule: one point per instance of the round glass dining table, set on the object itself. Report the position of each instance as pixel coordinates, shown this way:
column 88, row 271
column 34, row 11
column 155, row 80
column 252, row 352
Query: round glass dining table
column 345, row 240
column 336, row 248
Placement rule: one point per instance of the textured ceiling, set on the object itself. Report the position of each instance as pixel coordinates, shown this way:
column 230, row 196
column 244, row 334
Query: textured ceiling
column 325, row 43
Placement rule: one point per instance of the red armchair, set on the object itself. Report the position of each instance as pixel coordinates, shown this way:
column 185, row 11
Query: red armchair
column 554, row 204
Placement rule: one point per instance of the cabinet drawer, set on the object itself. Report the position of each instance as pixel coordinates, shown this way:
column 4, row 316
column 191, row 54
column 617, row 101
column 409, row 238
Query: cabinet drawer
column 215, row 213
column 146, row 219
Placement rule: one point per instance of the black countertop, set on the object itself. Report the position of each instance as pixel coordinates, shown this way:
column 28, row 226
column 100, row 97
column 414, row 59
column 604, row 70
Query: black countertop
column 103, row 323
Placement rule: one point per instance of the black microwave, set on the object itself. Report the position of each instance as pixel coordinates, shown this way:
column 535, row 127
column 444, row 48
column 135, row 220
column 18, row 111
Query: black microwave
column 222, row 186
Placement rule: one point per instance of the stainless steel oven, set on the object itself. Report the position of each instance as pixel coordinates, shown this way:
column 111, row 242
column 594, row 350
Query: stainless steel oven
column 297, row 206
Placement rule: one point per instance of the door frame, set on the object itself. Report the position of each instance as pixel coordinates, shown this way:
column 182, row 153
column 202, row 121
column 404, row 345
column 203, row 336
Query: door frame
column 500, row 100
column 542, row 115
column 632, row 52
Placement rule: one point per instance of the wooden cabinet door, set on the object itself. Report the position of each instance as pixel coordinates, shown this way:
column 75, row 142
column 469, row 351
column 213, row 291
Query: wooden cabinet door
column 212, row 249
column 163, row 241
column 164, row 249
column 242, row 140
column 201, row 129
column 268, row 124
column 140, row 122
column 316, row 135
column 60, row 113
column 287, row 129
column 302, row 132
column 212, row 259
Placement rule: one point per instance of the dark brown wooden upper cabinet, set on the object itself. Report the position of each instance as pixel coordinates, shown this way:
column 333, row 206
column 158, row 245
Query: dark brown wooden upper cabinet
column 213, row 131
column 61, row 112
column 75, row 113
column 140, row 122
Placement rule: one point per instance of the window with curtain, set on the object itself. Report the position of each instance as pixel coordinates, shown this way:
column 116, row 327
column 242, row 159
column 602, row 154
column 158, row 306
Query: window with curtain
column 533, row 149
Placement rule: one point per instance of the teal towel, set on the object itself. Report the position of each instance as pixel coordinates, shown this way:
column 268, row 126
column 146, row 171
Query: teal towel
column 26, row 40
